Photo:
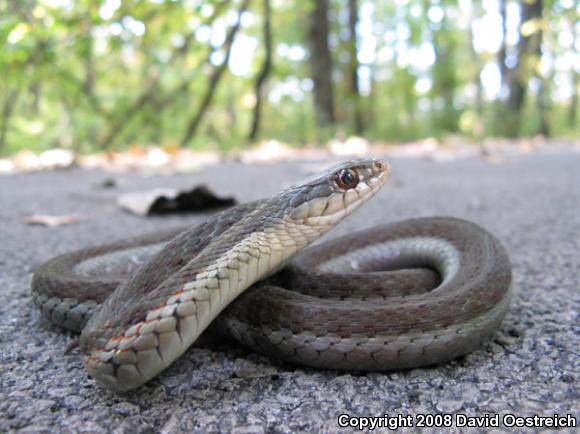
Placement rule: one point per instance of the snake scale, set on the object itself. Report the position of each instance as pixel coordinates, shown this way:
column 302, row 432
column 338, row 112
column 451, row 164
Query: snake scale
column 401, row 295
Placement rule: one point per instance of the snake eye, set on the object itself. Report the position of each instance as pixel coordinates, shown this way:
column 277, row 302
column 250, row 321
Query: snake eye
column 346, row 179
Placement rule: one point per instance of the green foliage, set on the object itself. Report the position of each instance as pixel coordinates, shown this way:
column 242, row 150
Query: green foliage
column 108, row 74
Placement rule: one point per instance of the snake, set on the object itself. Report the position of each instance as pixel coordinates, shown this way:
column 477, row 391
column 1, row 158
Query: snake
column 400, row 295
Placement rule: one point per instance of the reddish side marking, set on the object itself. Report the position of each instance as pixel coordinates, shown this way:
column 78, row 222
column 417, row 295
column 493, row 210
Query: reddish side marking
column 137, row 330
column 160, row 306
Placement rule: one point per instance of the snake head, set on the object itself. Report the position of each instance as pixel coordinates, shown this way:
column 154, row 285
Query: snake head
column 336, row 193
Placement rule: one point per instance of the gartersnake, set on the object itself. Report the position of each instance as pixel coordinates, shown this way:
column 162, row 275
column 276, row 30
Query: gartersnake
column 401, row 295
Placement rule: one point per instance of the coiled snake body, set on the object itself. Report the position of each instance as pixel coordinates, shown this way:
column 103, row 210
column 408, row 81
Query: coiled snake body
column 408, row 294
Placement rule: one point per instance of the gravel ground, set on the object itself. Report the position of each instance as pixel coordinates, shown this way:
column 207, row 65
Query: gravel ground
column 530, row 367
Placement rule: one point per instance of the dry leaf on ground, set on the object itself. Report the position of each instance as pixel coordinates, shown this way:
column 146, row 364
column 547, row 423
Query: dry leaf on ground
column 51, row 220
column 170, row 201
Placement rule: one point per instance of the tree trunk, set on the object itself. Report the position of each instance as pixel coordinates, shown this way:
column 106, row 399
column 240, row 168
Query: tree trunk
column 35, row 93
column 444, row 76
column 543, row 105
column 264, row 72
column 7, row 110
column 573, row 108
column 354, row 65
column 502, row 53
column 499, row 105
column 88, row 59
column 321, row 64
column 530, row 44
column 214, row 79
column 478, row 125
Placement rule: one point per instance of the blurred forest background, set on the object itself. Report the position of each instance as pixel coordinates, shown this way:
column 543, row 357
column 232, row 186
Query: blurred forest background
column 101, row 75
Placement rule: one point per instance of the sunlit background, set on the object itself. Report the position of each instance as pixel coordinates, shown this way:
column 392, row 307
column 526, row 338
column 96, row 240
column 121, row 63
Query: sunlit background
column 103, row 75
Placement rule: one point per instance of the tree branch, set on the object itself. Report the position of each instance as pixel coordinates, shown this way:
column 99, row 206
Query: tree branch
column 214, row 79
column 264, row 72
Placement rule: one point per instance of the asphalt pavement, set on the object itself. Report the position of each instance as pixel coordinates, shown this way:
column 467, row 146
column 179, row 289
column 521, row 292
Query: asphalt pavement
column 530, row 366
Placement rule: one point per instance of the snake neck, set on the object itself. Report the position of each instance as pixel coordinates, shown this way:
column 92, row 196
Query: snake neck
column 162, row 322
